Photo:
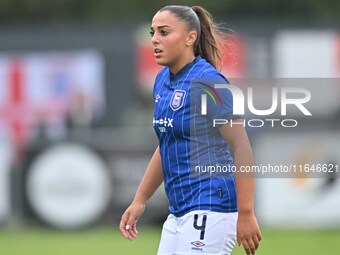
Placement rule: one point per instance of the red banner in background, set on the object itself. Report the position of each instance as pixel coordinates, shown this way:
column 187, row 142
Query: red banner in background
column 147, row 68
column 338, row 53
column 234, row 57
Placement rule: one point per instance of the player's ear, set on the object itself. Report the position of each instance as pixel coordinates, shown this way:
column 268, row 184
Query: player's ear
column 191, row 38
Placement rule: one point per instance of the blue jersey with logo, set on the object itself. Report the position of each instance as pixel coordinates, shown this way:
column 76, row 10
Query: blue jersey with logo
column 187, row 139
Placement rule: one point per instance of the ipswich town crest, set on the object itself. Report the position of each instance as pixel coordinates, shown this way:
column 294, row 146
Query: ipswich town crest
column 177, row 99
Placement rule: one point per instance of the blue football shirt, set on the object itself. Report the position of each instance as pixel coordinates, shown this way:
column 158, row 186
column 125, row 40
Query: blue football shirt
column 188, row 139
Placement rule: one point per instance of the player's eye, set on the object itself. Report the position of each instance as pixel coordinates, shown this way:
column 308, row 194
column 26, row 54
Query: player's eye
column 164, row 33
column 152, row 33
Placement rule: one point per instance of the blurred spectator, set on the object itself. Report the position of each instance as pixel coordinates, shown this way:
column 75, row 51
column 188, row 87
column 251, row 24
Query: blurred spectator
column 80, row 113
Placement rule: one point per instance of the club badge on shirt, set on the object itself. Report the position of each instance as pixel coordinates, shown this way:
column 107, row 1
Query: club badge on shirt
column 177, row 99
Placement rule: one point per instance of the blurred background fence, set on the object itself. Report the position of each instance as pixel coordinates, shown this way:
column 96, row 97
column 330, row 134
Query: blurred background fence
column 76, row 106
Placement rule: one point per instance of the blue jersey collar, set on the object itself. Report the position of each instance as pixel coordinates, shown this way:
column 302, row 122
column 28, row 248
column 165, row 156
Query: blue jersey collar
column 175, row 77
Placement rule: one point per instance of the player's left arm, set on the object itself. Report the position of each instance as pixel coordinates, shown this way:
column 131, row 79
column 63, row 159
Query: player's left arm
column 248, row 232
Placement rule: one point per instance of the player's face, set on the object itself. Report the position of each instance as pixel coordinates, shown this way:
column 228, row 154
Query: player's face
column 172, row 42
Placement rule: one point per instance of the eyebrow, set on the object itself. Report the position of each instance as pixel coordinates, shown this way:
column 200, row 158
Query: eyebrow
column 160, row 27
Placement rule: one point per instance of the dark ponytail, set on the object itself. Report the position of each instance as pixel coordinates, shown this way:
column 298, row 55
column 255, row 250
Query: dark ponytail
column 209, row 37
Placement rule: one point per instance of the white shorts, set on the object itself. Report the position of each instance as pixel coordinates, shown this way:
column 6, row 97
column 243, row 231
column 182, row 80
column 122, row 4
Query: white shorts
column 199, row 232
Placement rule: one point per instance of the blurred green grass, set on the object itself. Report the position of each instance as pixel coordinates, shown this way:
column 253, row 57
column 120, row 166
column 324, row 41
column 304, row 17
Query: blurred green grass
column 104, row 241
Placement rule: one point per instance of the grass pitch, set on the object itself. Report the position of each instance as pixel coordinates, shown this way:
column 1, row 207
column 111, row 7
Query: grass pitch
column 105, row 241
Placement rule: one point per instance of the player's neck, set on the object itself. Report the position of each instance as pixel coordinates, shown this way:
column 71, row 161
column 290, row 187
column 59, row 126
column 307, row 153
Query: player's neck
column 186, row 59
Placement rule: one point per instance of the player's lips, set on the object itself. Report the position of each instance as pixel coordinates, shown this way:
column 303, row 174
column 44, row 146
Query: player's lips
column 157, row 52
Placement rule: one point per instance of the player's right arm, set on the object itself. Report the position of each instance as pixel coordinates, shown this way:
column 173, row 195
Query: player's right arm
column 152, row 179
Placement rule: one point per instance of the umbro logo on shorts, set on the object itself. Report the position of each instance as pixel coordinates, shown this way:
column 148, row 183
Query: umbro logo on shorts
column 198, row 244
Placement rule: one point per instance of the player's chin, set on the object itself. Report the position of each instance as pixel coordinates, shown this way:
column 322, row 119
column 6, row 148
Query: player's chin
column 161, row 61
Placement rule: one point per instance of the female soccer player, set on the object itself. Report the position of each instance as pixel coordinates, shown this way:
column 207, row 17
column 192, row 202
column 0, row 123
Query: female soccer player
column 207, row 215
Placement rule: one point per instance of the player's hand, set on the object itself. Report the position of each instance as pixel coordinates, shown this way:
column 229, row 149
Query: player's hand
column 128, row 222
column 248, row 232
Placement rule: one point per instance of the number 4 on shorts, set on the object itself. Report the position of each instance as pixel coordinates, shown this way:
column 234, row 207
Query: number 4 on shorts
column 202, row 227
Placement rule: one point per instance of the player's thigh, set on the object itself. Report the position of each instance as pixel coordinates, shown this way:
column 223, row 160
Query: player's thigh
column 168, row 242
column 206, row 232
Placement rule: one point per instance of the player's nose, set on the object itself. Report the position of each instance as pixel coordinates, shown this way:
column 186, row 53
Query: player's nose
column 155, row 39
